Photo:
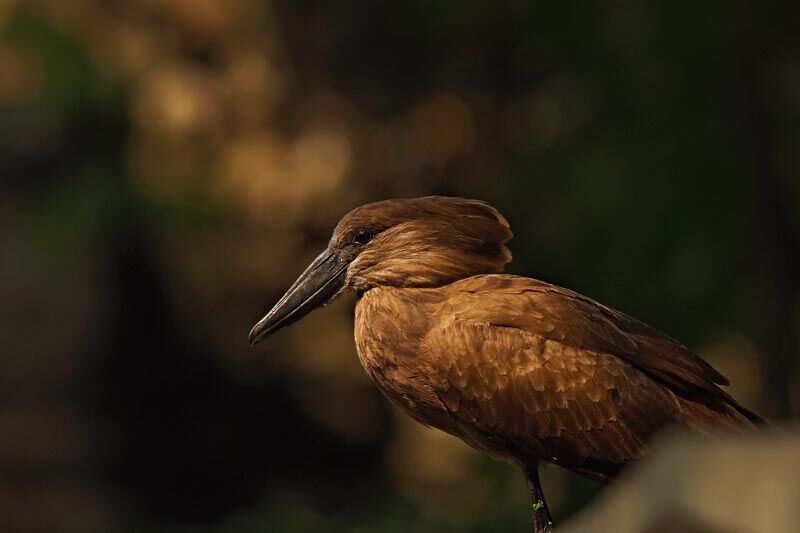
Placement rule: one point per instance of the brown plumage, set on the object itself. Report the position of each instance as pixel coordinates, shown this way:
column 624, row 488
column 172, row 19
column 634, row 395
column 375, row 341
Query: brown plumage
column 516, row 367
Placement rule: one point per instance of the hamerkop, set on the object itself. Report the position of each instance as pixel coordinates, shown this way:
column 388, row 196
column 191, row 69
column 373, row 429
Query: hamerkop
column 516, row 367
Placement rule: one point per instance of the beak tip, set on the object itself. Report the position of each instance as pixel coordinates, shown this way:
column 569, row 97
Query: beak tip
column 254, row 337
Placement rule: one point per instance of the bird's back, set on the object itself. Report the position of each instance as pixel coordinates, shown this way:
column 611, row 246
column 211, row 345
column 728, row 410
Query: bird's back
column 530, row 371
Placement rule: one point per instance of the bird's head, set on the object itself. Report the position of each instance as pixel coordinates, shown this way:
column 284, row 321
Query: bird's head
column 423, row 242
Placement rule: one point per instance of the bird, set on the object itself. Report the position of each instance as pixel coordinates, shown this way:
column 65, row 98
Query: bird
column 518, row 368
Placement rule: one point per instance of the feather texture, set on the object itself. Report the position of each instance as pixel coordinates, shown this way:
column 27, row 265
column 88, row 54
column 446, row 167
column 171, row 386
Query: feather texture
column 529, row 371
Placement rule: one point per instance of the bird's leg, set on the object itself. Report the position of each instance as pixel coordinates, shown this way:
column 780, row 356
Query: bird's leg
column 542, row 523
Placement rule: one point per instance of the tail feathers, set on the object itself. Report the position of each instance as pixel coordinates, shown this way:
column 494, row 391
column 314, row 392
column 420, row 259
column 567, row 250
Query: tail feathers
column 722, row 413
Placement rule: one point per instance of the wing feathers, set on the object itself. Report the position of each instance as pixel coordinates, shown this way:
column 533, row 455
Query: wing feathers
column 524, row 360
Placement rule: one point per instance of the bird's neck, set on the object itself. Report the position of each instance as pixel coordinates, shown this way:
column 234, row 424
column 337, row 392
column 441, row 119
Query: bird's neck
column 426, row 270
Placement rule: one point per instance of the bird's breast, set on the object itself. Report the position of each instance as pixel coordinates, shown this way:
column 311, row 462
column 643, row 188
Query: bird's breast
column 390, row 325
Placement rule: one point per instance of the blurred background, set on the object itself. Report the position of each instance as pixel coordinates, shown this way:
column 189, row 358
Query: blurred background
column 167, row 167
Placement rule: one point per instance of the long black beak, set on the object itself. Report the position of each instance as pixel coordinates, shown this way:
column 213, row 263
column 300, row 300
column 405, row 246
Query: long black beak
column 314, row 288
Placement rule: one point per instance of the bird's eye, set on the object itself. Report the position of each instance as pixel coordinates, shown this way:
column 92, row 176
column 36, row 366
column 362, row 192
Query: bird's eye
column 362, row 237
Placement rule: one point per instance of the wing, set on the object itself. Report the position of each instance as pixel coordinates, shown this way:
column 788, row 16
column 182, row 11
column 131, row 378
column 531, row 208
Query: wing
column 552, row 374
